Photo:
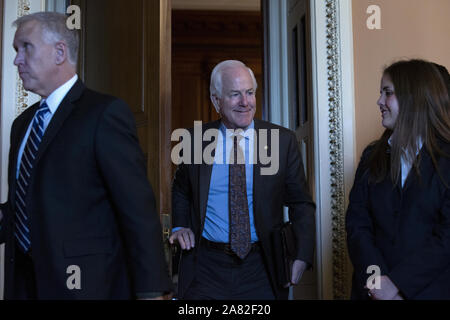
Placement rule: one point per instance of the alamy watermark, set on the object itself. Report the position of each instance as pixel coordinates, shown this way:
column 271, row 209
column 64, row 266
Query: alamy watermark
column 182, row 152
column 74, row 279
column 374, row 280
column 374, row 20
column 73, row 22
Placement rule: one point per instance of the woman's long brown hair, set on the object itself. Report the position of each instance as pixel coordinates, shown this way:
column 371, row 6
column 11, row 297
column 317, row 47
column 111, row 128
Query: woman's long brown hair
column 424, row 115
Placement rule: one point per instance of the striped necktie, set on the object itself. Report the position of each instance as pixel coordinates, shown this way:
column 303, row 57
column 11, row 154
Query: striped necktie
column 22, row 221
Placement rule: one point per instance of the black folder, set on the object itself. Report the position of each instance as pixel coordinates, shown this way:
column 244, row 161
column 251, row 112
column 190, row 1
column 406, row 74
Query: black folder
column 284, row 248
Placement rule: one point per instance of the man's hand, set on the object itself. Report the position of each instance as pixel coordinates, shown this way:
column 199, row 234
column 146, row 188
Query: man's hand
column 185, row 237
column 387, row 291
column 298, row 267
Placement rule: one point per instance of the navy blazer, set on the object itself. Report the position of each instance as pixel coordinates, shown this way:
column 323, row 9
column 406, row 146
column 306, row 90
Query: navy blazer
column 90, row 203
column 270, row 192
column 405, row 231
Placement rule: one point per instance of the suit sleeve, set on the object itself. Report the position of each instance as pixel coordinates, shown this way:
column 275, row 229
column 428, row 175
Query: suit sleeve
column 298, row 199
column 181, row 198
column 414, row 273
column 360, row 232
column 122, row 166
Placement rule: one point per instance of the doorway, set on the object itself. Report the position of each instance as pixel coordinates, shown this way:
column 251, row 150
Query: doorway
column 200, row 40
column 331, row 22
column 205, row 33
column 330, row 100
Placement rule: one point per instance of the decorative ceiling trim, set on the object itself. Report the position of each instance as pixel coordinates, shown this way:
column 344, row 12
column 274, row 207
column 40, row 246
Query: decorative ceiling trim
column 223, row 5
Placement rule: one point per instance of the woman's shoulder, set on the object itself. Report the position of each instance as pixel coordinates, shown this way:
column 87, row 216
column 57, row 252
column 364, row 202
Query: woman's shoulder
column 368, row 150
column 445, row 146
column 444, row 153
column 363, row 164
column 442, row 156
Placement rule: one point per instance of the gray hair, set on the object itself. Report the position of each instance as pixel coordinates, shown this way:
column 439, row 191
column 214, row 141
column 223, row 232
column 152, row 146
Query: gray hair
column 54, row 29
column 215, row 88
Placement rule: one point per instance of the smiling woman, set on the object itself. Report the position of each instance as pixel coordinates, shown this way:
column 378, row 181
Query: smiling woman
column 388, row 103
column 398, row 216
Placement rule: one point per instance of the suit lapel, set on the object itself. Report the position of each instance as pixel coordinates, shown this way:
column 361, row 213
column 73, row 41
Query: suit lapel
column 425, row 168
column 61, row 114
column 22, row 129
column 18, row 137
column 258, row 180
column 205, row 171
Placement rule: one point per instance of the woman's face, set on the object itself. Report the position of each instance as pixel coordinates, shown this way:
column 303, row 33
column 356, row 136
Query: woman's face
column 388, row 103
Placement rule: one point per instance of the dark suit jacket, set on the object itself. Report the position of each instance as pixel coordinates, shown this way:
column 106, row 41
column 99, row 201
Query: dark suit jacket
column 405, row 231
column 270, row 192
column 89, row 202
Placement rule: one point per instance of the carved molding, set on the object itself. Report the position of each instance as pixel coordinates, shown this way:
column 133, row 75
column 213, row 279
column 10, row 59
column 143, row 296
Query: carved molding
column 336, row 152
column 240, row 5
column 23, row 8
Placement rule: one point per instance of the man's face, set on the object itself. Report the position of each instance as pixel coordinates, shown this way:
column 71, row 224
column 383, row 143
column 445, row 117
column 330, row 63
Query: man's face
column 35, row 59
column 237, row 105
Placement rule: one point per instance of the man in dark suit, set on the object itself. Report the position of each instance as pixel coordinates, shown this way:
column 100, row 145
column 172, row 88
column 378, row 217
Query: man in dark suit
column 225, row 211
column 80, row 221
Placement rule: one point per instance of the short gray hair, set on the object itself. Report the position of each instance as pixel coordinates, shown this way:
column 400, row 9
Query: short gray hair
column 215, row 88
column 54, row 29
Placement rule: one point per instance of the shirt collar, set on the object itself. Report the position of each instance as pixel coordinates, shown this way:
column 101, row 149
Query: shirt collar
column 420, row 143
column 248, row 132
column 56, row 97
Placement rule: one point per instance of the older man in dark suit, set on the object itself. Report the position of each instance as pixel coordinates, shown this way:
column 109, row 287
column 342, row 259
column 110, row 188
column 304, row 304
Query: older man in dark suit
column 225, row 211
column 80, row 221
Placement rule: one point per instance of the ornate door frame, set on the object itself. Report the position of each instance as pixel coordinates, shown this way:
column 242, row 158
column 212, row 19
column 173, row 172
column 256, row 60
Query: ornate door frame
column 335, row 151
column 334, row 134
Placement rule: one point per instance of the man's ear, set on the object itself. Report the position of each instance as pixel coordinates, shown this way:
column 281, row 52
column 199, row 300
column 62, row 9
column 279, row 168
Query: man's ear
column 215, row 101
column 61, row 53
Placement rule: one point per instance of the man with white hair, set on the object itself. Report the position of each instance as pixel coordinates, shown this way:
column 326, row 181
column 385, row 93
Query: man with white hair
column 80, row 221
column 225, row 213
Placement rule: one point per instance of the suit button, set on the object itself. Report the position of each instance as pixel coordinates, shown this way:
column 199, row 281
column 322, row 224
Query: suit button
column 11, row 260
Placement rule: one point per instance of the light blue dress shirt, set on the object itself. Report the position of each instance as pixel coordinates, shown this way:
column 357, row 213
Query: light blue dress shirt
column 217, row 215
column 53, row 102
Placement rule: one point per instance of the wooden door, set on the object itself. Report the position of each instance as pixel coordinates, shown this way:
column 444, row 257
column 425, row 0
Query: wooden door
column 126, row 52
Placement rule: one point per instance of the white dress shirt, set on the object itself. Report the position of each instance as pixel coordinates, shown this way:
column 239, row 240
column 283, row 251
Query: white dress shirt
column 406, row 165
column 53, row 102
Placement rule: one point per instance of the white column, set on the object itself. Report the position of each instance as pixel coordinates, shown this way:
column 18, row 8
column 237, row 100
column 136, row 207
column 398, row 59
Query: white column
column 13, row 97
column 56, row 6
column 278, row 67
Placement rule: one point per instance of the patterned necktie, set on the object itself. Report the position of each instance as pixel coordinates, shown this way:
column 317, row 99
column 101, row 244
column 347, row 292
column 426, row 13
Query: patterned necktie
column 237, row 192
column 22, row 223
